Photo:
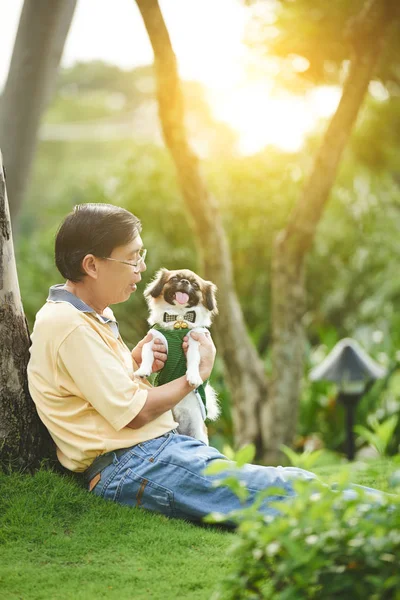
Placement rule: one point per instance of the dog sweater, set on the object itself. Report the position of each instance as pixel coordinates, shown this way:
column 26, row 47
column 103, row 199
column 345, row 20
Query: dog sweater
column 175, row 365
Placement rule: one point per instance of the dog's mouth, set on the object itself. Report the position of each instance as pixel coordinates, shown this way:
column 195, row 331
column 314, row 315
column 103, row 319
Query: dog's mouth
column 182, row 298
column 181, row 294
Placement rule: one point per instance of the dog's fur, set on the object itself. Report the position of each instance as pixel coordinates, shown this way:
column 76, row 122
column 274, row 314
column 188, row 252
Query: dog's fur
column 161, row 295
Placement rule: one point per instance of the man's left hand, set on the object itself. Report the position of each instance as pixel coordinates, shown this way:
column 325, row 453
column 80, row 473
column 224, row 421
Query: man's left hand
column 159, row 350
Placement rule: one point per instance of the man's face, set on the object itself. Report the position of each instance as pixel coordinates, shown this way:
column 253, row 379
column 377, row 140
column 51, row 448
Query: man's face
column 119, row 279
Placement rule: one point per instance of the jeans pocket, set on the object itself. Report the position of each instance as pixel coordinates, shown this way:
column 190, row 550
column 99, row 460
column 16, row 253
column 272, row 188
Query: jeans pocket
column 152, row 448
column 104, row 479
column 135, row 490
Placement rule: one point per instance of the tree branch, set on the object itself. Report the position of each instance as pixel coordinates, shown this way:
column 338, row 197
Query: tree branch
column 368, row 35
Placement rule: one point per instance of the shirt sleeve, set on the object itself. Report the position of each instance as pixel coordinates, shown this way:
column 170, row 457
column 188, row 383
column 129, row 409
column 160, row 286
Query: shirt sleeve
column 100, row 377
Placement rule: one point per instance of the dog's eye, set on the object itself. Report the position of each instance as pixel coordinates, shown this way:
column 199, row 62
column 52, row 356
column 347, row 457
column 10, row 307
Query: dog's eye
column 174, row 278
column 195, row 285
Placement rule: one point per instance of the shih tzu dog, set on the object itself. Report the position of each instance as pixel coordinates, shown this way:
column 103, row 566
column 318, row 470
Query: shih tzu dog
column 181, row 302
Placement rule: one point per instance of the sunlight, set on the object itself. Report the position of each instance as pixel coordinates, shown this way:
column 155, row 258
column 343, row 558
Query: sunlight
column 207, row 39
column 262, row 118
column 253, row 106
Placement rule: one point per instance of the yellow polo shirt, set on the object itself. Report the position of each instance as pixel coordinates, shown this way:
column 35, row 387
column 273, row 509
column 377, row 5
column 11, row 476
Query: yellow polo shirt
column 80, row 376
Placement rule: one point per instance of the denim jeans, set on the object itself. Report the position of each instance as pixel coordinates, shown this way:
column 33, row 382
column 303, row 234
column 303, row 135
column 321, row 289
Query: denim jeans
column 165, row 475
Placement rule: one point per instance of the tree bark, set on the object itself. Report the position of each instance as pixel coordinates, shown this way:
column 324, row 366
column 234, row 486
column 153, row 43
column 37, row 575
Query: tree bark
column 42, row 31
column 279, row 416
column 24, row 441
column 243, row 368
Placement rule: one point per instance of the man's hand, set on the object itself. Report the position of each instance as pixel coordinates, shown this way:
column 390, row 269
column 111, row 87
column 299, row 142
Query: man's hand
column 207, row 352
column 159, row 350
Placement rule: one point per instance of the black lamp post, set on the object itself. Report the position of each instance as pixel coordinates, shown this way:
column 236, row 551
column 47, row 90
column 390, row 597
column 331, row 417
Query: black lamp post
column 350, row 367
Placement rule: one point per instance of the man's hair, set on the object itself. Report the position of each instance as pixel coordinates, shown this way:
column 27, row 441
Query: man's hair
column 92, row 229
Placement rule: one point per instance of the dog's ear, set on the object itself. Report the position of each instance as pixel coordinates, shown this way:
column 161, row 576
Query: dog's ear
column 209, row 292
column 156, row 286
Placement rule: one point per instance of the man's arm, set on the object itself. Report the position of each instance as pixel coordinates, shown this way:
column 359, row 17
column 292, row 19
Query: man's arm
column 165, row 397
column 161, row 399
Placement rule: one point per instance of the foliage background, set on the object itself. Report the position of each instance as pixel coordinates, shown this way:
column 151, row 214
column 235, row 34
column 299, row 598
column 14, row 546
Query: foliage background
column 352, row 280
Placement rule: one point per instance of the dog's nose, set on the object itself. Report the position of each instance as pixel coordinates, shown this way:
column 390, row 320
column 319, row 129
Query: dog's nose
column 185, row 281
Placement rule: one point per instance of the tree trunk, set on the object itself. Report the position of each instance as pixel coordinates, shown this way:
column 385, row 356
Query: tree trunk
column 243, row 368
column 42, row 31
column 279, row 416
column 24, row 441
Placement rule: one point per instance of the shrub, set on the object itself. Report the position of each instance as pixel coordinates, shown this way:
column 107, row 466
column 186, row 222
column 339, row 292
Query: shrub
column 323, row 545
column 381, row 434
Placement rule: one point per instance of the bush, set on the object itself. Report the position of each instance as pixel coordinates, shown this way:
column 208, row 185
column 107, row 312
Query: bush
column 322, row 546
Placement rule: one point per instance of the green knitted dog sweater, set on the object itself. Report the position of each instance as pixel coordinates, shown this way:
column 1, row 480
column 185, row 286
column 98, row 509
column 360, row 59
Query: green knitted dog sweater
column 175, row 365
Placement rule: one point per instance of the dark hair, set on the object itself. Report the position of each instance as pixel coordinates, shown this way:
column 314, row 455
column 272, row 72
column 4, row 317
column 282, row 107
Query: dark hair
column 92, row 229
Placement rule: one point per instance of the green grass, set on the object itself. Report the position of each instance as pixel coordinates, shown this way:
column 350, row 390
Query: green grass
column 372, row 473
column 59, row 542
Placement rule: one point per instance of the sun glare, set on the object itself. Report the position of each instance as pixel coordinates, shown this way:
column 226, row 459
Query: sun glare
column 262, row 117
column 206, row 37
column 211, row 50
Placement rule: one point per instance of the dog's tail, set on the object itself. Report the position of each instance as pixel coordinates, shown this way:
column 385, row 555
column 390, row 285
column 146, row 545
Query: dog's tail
column 212, row 404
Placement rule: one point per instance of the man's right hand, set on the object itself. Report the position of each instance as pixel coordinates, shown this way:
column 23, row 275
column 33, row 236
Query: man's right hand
column 207, row 353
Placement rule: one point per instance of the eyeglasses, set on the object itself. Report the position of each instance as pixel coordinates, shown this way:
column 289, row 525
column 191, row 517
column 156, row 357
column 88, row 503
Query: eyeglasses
column 136, row 266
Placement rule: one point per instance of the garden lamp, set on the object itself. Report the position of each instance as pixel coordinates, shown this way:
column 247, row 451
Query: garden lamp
column 350, row 367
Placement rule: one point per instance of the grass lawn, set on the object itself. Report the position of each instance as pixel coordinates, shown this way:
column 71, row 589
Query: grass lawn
column 58, row 542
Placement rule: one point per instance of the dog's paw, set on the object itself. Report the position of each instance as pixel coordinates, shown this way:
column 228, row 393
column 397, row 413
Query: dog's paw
column 194, row 378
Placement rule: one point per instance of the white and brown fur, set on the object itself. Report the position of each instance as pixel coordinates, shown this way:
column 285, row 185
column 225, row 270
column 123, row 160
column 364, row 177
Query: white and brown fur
column 160, row 295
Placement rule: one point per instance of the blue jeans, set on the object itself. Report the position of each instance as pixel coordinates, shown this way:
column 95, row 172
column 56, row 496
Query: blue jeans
column 165, row 475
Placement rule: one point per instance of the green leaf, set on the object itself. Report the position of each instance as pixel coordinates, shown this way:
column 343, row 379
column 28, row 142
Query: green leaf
column 245, row 455
column 306, row 460
column 215, row 517
column 228, row 452
column 217, row 466
column 237, row 487
column 291, row 454
column 382, row 432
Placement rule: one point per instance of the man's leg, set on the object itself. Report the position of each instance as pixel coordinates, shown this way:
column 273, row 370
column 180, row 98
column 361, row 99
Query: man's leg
column 166, row 475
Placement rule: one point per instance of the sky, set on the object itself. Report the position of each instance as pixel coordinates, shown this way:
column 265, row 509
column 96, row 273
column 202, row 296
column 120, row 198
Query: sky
column 112, row 30
column 93, row 33
column 207, row 36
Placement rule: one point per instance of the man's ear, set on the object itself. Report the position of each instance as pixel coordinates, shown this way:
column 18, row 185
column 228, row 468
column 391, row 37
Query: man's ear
column 209, row 292
column 156, row 286
column 89, row 266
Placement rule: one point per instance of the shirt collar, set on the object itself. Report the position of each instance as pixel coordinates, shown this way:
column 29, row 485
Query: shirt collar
column 58, row 293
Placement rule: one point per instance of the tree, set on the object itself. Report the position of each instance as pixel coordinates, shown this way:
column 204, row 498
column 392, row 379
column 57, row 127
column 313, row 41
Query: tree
column 367, row 34
column 244, row 369
column 42, row 31
column 264, row 417
column 24, row 441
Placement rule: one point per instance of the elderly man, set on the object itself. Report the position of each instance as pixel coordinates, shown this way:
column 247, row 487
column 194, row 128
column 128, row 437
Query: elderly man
column 117, row 429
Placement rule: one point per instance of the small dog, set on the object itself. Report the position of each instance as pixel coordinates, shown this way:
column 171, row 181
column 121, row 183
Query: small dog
column 181, row 302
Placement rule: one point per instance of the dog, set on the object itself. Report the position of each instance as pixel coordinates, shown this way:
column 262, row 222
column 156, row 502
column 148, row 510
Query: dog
column 181, row 302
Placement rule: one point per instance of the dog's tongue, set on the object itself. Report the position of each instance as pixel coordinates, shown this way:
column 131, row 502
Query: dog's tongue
column 181, row 297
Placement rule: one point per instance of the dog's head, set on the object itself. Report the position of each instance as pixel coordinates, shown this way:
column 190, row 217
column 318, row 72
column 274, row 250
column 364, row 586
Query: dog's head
column 182, row 289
